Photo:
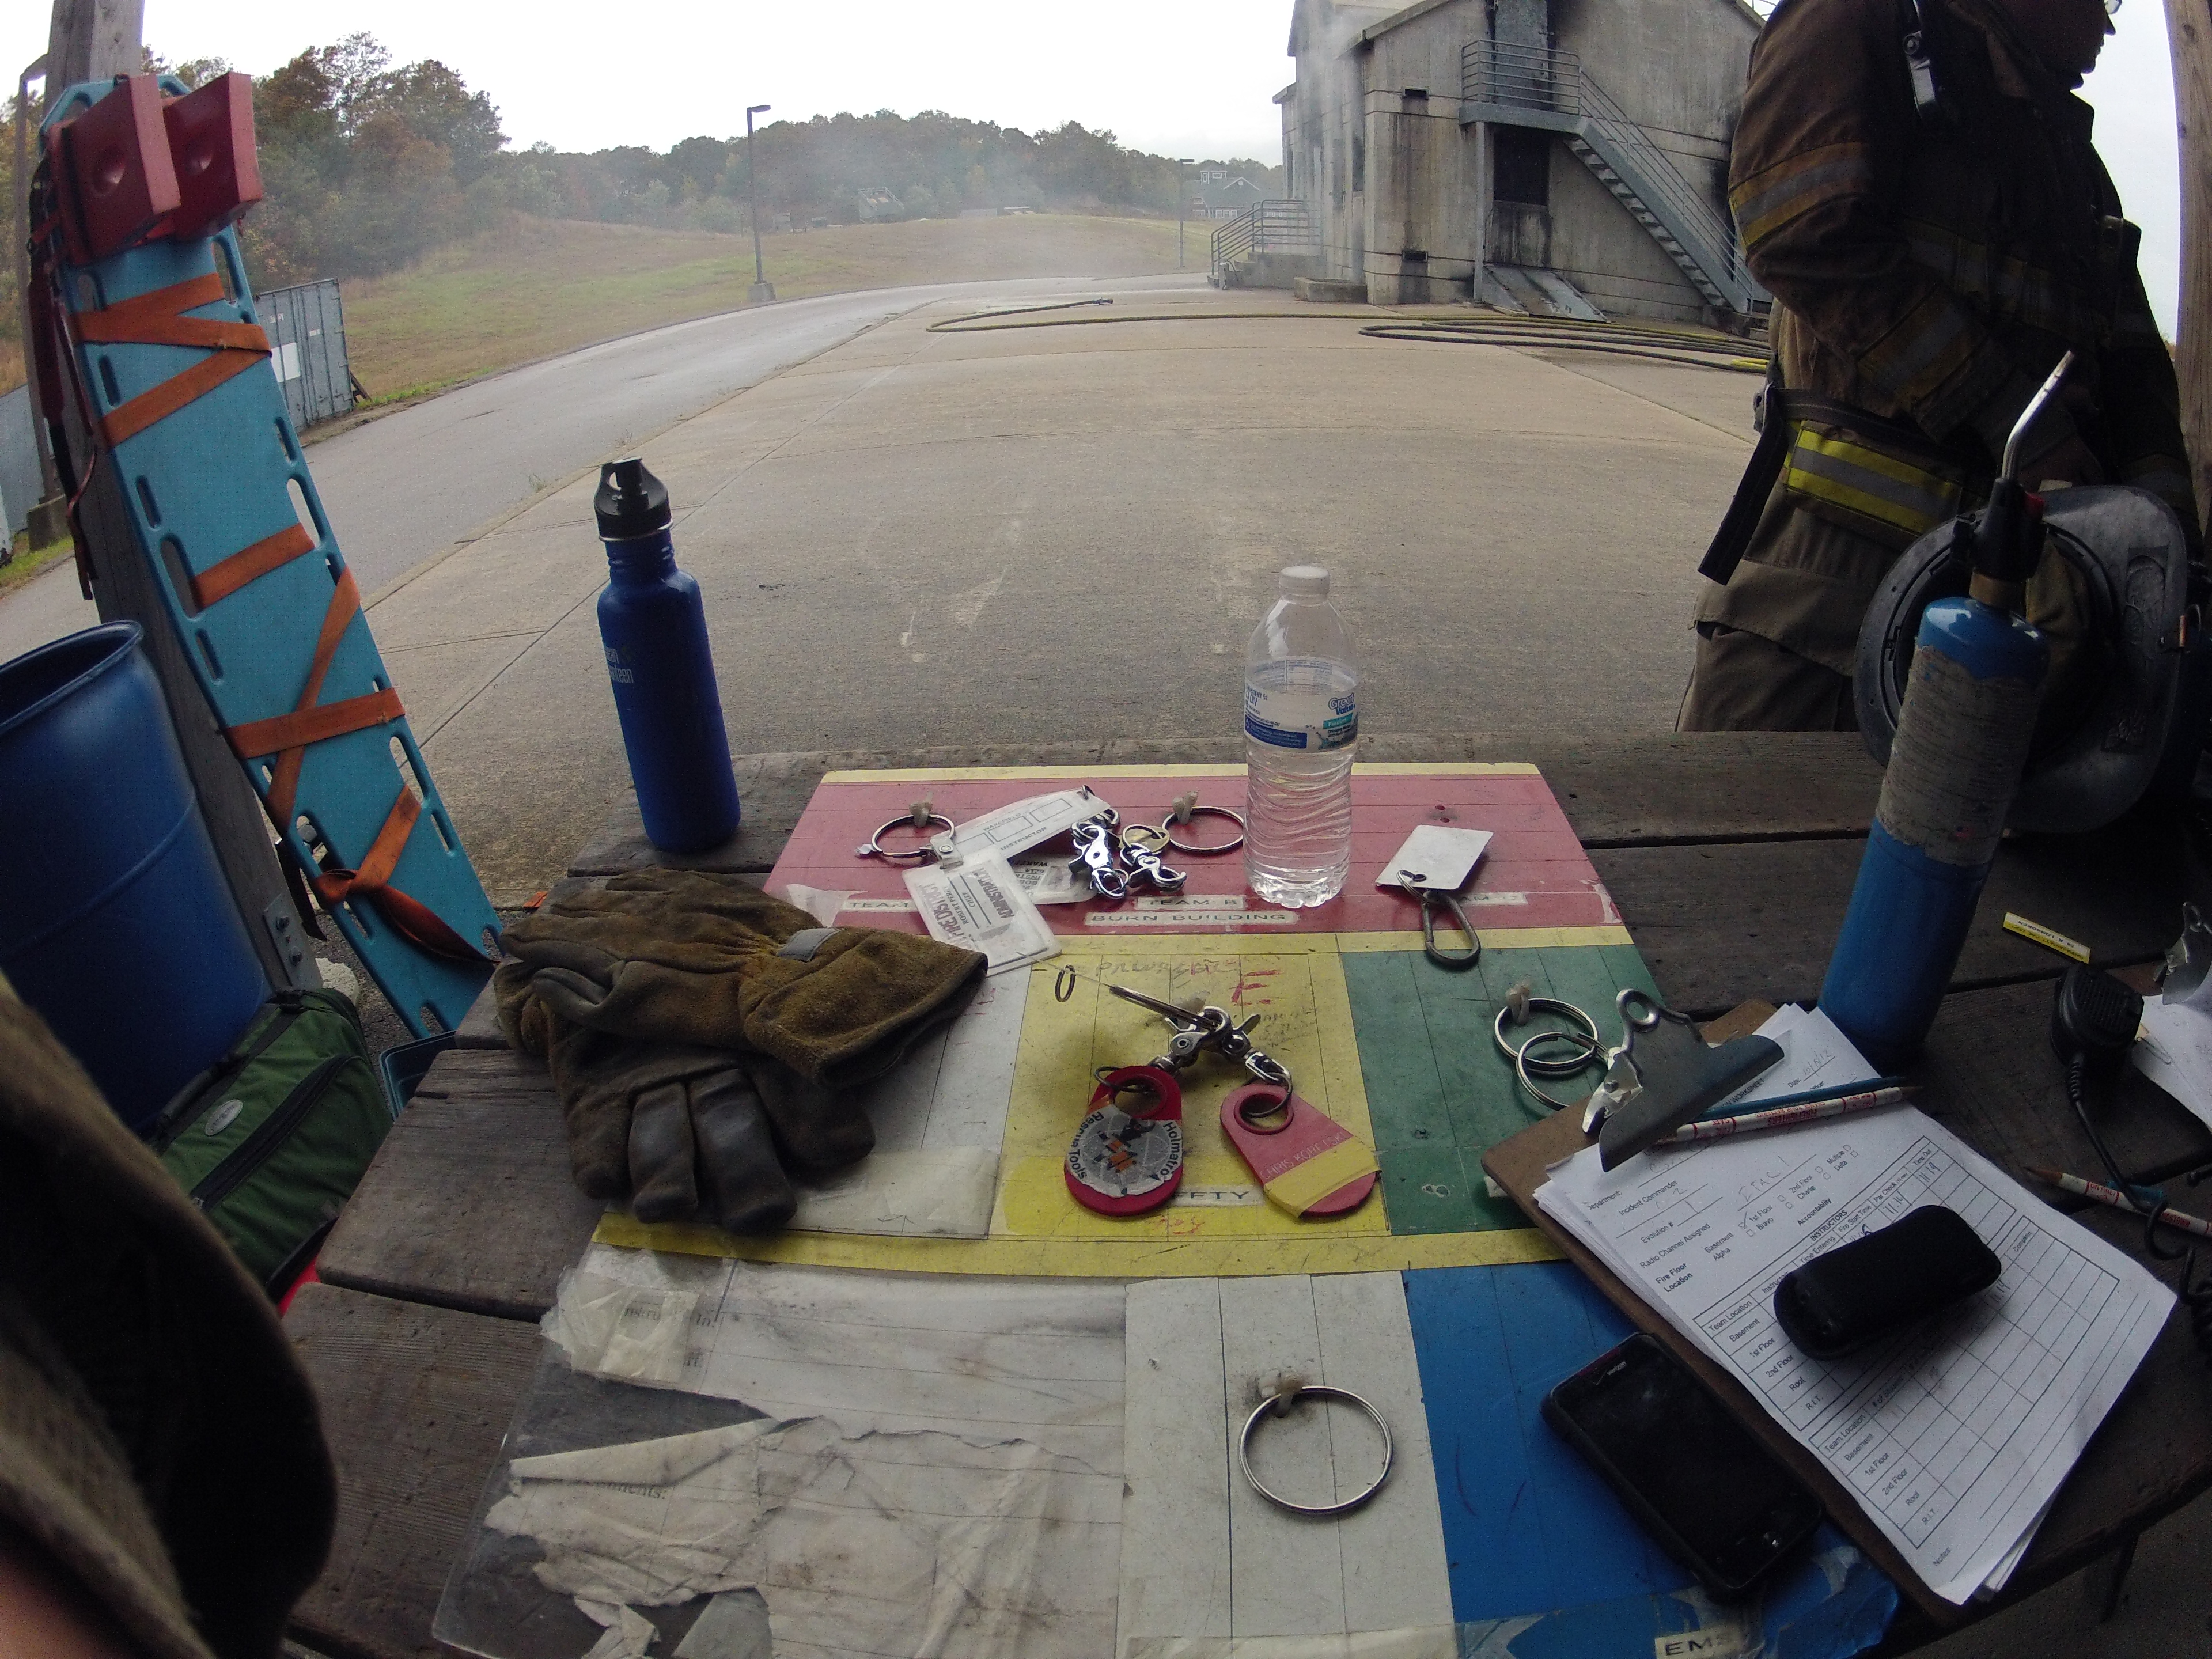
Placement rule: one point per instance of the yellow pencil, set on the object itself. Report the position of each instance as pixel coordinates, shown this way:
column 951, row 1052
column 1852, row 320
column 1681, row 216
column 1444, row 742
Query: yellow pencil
column 2119, row 1201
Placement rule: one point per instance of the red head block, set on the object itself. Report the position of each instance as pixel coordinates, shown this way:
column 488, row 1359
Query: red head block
column 211, row 143
column 117, row 181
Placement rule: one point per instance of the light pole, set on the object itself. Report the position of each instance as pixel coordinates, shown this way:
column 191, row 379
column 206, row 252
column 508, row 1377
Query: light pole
column 1183, row 203
column 761, row 288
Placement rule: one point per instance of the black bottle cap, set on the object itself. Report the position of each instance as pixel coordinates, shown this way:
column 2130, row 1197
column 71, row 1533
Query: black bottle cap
column 630, row 500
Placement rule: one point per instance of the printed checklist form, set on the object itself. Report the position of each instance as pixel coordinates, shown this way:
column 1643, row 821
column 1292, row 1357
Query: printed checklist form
column 1954, row 1434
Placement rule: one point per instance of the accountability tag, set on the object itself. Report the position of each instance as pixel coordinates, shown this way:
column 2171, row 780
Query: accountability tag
column 1017, row 826
column 1307, row 1162
column 1123, row 1163
column 1436, row 858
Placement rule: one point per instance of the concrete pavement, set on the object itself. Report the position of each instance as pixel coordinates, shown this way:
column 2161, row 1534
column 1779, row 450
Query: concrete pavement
column 409, row 486
column 1069, row 531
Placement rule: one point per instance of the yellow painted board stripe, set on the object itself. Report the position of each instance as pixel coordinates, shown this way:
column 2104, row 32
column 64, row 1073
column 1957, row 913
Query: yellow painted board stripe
column 1449, row 769
column 1162, row 770
column 1313, row 1251
column 1299, row 1188
column 1503, row 938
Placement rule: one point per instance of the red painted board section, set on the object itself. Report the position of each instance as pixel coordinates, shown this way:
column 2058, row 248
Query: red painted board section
column 1535, row 873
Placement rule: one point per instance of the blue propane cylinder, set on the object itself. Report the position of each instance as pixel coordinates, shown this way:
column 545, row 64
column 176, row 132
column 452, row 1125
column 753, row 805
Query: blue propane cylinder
column 1962, row 739
column 116, row 922
column 654, row 628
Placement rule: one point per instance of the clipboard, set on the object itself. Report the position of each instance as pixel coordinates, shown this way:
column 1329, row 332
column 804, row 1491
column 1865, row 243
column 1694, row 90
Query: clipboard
column 1519, row 1164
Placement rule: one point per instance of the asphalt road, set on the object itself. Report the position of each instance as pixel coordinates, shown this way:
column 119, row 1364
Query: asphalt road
column 409, row 486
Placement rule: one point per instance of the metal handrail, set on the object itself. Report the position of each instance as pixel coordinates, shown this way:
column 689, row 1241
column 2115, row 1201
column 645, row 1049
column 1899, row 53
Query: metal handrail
column 1554, row 81
column 1522, row 77
column 1270, row 227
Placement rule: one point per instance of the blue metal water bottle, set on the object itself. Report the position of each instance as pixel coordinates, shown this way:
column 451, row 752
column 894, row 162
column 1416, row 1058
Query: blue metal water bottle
column 654, row 628
column 1962, row 742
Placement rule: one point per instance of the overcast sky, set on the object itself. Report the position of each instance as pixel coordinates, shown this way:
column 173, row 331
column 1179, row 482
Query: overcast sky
column 1178, row 77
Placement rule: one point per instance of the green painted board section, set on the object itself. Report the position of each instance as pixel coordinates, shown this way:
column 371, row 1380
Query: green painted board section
column 1439, row 1093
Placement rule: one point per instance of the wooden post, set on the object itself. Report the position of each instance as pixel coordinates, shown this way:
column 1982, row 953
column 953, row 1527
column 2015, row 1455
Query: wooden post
column 91, row 40
column 2189, row 24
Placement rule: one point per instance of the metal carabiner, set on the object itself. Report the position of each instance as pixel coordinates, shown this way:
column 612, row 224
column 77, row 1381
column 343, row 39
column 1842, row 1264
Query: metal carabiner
column 1094, row 856
column 1430, row 899
column 1144, row 866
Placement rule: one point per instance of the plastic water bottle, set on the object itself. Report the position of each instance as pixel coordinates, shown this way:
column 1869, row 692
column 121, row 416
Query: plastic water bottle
column 1301, row 718
column 654, row 626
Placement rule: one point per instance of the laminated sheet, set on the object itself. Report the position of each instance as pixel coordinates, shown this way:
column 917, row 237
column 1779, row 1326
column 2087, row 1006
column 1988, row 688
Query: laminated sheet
column 1209, row 1568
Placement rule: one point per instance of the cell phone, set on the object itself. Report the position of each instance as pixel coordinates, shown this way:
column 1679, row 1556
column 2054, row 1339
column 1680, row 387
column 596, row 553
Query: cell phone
column 1716, row 1499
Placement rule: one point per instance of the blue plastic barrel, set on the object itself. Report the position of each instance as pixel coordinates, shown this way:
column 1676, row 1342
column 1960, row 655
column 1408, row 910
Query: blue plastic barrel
column 116, row 923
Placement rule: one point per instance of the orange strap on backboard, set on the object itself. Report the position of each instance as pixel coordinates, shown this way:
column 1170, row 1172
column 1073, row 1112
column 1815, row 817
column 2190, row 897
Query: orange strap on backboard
column 287, row 736
column 221, row 580
column 411, row 917
column 157, row 319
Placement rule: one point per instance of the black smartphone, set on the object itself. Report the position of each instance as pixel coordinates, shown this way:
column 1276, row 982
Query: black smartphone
column 1716, row 1500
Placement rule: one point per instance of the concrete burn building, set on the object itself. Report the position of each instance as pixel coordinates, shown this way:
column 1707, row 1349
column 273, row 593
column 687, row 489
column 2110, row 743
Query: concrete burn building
column 1560, row 156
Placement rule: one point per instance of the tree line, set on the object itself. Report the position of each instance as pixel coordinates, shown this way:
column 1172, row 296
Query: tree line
column 366, row 164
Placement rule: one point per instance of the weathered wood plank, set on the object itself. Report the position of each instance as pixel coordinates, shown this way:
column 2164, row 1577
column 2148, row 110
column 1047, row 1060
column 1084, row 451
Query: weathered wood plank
column 1711, row 785
column 1992, row 1079
column 1719, row 922
column 470, row 1204
column 2189, row 34
column 415, row 1400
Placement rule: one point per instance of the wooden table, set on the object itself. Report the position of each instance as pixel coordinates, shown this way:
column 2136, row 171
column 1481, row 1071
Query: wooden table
column 1731, row 859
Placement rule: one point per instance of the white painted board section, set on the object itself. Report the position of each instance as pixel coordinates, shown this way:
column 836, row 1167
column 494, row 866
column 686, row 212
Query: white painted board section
column 1202, row 1355
column 1174, row 1560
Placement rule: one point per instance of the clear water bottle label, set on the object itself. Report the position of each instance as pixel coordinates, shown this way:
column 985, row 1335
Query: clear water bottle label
column 1301, row 703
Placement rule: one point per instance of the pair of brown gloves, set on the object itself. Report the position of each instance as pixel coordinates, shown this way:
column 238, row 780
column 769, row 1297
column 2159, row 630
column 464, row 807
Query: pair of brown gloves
column 709, row 1042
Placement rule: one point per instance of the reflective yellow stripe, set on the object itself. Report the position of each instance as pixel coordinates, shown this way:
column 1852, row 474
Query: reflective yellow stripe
column 1879, row 486
column 1794, row 187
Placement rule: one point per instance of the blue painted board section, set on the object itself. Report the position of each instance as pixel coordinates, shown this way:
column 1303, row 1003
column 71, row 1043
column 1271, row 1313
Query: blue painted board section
column 1527, row 1526
column 214, row 478
column 1544, row 1562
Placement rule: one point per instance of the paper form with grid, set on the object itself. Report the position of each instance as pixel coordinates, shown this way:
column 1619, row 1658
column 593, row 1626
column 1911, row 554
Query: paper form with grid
column 1954, row 1434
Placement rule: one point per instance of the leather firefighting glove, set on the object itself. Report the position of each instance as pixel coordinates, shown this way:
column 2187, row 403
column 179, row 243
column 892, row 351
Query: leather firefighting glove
column 681, row 1133
column 687, row 957
column 678, row 1131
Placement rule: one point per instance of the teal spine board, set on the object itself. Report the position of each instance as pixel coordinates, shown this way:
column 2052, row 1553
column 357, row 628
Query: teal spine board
column 217, row 476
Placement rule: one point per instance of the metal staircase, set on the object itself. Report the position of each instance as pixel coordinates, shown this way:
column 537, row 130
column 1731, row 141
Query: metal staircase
column 1265, row 227
column 1546, row 88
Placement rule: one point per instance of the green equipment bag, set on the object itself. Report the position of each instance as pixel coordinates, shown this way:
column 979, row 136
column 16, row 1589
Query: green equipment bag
column 271, row 1141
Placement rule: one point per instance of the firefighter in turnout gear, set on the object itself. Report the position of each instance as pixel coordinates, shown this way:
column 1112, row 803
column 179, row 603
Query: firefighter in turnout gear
column 1916, row 187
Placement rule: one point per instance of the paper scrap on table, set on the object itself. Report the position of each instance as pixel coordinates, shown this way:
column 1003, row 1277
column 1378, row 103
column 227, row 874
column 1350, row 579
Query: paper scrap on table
column 939, row 1471
column 1017, row 826
column 922, row 1194
column 981, row 906
column 2175, row 1051
column 822, row 903
column 1954, row 1435
column 1052, row 881
column 1436, row 858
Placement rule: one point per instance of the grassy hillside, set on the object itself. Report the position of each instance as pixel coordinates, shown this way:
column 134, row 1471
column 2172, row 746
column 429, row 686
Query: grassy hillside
column 546, row 286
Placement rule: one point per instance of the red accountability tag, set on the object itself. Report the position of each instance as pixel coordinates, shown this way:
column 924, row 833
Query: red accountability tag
column 1126, row 1163
column 1307, row 1162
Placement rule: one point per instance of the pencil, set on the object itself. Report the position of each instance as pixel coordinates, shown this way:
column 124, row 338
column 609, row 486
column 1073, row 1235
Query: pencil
column 2119, row 1201
column 1825, row 1091
column 1810, row 1111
